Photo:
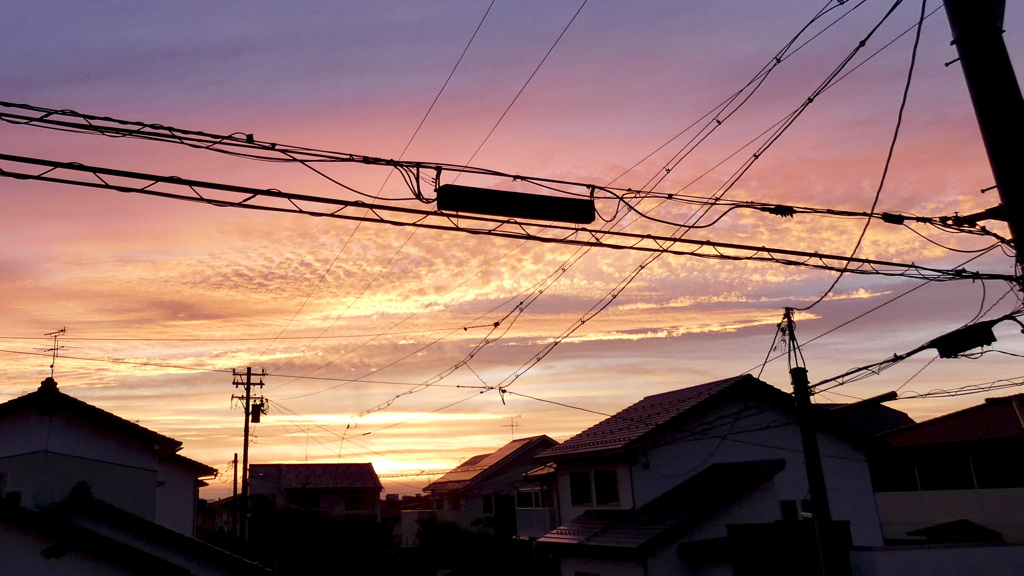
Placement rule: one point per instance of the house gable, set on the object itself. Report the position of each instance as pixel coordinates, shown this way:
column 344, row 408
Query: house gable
column 483, row 471
column 651, row 524
column 50, row 441
column 728, row 421
column 350, row 490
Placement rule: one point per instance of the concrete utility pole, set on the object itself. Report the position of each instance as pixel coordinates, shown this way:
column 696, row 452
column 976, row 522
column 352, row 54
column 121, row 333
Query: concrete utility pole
column 247, row 400
column 234, row 497
column 977, row 27
column 828, row 554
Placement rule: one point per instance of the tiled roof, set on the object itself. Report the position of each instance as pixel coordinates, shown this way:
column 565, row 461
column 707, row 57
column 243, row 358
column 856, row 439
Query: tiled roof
column 354, row 475
column 94, row 528
column 49, row 400
column 996, row 418
column 201, row 470
column 644, row 417
column 705, row 492
column 869, row 416
column 462, row 475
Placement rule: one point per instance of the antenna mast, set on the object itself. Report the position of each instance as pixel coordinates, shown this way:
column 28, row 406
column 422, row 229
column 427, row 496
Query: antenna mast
column 56, row 346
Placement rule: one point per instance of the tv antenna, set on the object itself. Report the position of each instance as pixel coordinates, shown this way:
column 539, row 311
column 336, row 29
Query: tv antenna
column 513, row 424
column 56, row 346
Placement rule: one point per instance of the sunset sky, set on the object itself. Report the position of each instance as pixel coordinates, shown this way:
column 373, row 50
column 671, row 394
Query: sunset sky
column 161, row 299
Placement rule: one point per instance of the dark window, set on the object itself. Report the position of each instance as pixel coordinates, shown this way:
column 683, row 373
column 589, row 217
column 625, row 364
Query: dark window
column 488, row 504
column 789, row 511
column 354, row 502
column 946, row 470
column 893, row 473
column 579, row 489
column 606, row 487
column 304, row 499
column 524, row 499
column 998, row 469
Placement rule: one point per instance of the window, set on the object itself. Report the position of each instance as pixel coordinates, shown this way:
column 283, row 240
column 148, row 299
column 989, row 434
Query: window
column 488, row 503
column 893, row 473
column 524, row 499
column 532, row 498
column 304, row 499
column 606, row 487
column 579, row 489
column 997, row 468
column 594, row 488
column 945, row 471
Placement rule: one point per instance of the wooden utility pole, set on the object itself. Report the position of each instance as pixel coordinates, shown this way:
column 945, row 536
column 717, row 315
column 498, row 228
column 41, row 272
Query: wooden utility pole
column 247, row 403
column 977, row 27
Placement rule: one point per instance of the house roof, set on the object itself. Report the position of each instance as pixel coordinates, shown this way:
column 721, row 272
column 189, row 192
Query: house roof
column 48, row 399
column 958, row 531
column 121, row 539
column 703, row 493
column 198, row 468
column 996, row 418
column 652, row 414
column 349, row 475
column 476, row 468
column 869, row 415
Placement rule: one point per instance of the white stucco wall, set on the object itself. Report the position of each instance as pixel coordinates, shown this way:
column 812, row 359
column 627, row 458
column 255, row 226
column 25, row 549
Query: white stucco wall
column 745, row 430
column 20, row 556
column 944, row 560
column 176, row 496
column 602, row 567
column 43, row 457
column 1000, row 509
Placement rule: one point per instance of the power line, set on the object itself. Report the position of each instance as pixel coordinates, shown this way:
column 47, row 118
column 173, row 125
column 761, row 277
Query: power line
column 891, row 151
column 479, row 225
column 873, row 309
column 527, row 83
column 400, row 156
column 966, row 390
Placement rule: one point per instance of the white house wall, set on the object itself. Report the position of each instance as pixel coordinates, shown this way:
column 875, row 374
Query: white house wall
column 622, row 475
column 176, row 496
column 939, row 559
column 602, row 567
column 44, row 478
column 20, row 553
column 999, row 509
column 45, row 456
column 757, row 506
column 746, row 430
column 743, row 431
